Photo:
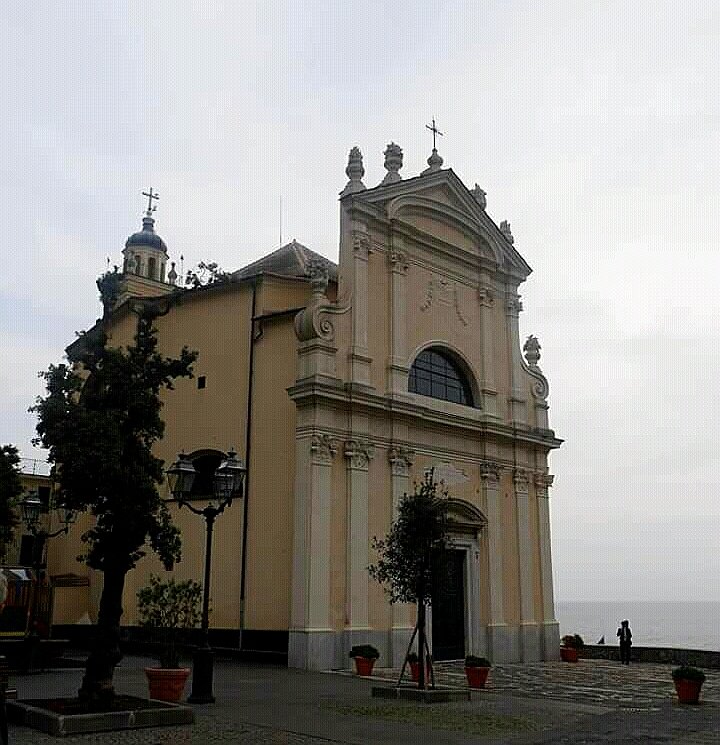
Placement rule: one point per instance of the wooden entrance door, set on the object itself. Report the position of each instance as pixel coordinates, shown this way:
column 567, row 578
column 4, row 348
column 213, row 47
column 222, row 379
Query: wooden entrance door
column 448, row 607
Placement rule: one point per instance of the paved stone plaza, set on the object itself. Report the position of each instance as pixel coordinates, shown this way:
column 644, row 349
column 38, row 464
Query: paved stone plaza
column 594, row 701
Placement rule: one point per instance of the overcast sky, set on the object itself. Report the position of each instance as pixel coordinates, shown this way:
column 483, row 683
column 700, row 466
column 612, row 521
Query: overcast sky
column 593, row 127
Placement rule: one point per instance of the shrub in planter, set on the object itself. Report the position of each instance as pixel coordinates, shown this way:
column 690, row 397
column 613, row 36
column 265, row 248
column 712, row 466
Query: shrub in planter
column 168, row 608
column 688, row 682
column 364, row 656
column 571, row 644
column 476, row 670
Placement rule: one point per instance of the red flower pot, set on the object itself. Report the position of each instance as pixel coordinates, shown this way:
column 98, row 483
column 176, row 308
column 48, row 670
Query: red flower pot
column 476, row 676
column 167, row 684
column 364, row 665
column 415, row 672
column 568, row 654
column 688, row 691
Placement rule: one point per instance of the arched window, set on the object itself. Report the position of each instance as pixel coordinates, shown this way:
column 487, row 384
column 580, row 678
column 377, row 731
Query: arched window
column 152, row 268
column 435, row 373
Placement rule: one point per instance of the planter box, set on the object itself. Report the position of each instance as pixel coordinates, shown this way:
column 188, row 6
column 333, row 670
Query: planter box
column 688, row 691
column 476, row 676
column 568, row 654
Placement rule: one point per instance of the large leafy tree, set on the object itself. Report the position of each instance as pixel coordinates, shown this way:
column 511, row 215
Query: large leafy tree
column 416, row 543
column 99, row 420
column 10, row 491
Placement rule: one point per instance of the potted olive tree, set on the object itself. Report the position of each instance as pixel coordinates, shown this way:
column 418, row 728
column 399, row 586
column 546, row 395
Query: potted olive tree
column 418, row 537
column 476, row 670
column 364, row 656
column 688, row 682
column 169, row 608
column 570, row 646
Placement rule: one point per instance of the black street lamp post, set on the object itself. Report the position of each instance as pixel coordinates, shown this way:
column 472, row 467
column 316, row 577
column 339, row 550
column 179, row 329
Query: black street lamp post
column 228, row 484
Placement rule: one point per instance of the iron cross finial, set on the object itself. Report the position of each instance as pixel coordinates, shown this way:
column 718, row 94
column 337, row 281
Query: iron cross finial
column 151, row 196
column 435, row 132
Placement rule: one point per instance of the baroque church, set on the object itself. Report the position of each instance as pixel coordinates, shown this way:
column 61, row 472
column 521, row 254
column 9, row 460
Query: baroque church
column 340, row 386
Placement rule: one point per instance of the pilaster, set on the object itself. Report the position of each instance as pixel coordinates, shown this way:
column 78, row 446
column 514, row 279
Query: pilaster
column 397, row 368
column 311, row 643
column 359, row 355
column 358, row 454
column 401, row 459
column 542, row 483
column 517, row 403
column 488, row 390
column 529, row 629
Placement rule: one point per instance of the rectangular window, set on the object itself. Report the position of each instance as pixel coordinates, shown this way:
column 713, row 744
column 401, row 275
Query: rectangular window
column 202, row 382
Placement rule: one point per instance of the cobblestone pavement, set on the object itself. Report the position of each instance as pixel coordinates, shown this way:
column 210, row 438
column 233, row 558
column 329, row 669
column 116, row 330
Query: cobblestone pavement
column 600, row 682
column 594, row 701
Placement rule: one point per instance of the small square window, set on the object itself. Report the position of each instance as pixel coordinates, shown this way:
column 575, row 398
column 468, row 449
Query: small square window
column 202, row 382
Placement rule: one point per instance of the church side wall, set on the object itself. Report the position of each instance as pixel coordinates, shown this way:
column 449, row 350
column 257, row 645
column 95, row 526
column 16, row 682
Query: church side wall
column 270, row 516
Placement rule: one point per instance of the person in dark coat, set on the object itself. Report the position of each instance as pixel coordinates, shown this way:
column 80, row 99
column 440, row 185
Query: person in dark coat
column 625, row 637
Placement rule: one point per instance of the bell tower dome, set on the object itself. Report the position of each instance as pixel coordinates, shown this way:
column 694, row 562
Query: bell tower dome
column 145, row 253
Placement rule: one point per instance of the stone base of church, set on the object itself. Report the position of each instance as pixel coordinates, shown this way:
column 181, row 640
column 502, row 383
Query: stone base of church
column 503, row 643
column 531, row 641
column 551, row 640
column 399, row 640
column 312, row 650
column 324, row 649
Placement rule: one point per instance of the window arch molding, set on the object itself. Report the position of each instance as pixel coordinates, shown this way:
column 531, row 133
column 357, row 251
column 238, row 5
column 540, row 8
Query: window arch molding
column 459, row 361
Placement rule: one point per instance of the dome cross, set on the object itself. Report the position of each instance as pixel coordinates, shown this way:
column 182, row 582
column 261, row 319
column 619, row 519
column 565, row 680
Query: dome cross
column 151, row 196
column 435, row 132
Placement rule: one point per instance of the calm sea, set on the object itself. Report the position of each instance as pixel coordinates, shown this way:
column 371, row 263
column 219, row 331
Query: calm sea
column 656, row 624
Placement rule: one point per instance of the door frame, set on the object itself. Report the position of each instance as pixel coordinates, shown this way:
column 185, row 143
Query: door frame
column 470, row 547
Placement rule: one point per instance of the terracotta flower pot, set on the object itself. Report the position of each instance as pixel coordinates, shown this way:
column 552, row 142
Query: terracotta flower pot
column 568, row 654
column 476, row 676
column 688, row 691
column 167, row 684
column 364, row 665
column 415, row 672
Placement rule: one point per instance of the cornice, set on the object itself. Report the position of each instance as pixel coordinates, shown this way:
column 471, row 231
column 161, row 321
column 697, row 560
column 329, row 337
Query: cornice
column 312, row 392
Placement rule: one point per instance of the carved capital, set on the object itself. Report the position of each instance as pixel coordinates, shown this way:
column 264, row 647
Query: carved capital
column 361, row 244
column 513, row 305
column 486, row 295
column 359, row 453
column 490, row 474
column 543, row 481
column 401, row 458
column 521, row 478
column 398, row 261
column 323, row 449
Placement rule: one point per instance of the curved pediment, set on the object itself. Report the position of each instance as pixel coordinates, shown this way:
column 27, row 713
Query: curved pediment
column 446, row 222
column 465, row 517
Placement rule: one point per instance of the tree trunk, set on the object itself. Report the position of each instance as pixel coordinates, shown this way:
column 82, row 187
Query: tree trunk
column 97, row 687
column 421, row 627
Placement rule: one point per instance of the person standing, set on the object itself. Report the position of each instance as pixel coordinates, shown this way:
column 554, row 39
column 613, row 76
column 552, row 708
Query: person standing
column 625, row 637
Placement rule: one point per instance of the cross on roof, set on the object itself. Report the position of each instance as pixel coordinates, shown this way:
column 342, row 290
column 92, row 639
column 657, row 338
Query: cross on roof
column 150, row 197
column 435, row 132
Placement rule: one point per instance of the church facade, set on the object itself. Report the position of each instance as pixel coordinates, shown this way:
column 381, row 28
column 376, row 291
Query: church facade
column 340, row 386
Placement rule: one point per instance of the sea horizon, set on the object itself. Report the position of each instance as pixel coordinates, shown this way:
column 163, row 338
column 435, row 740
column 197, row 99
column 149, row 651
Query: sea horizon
column 686, row 624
